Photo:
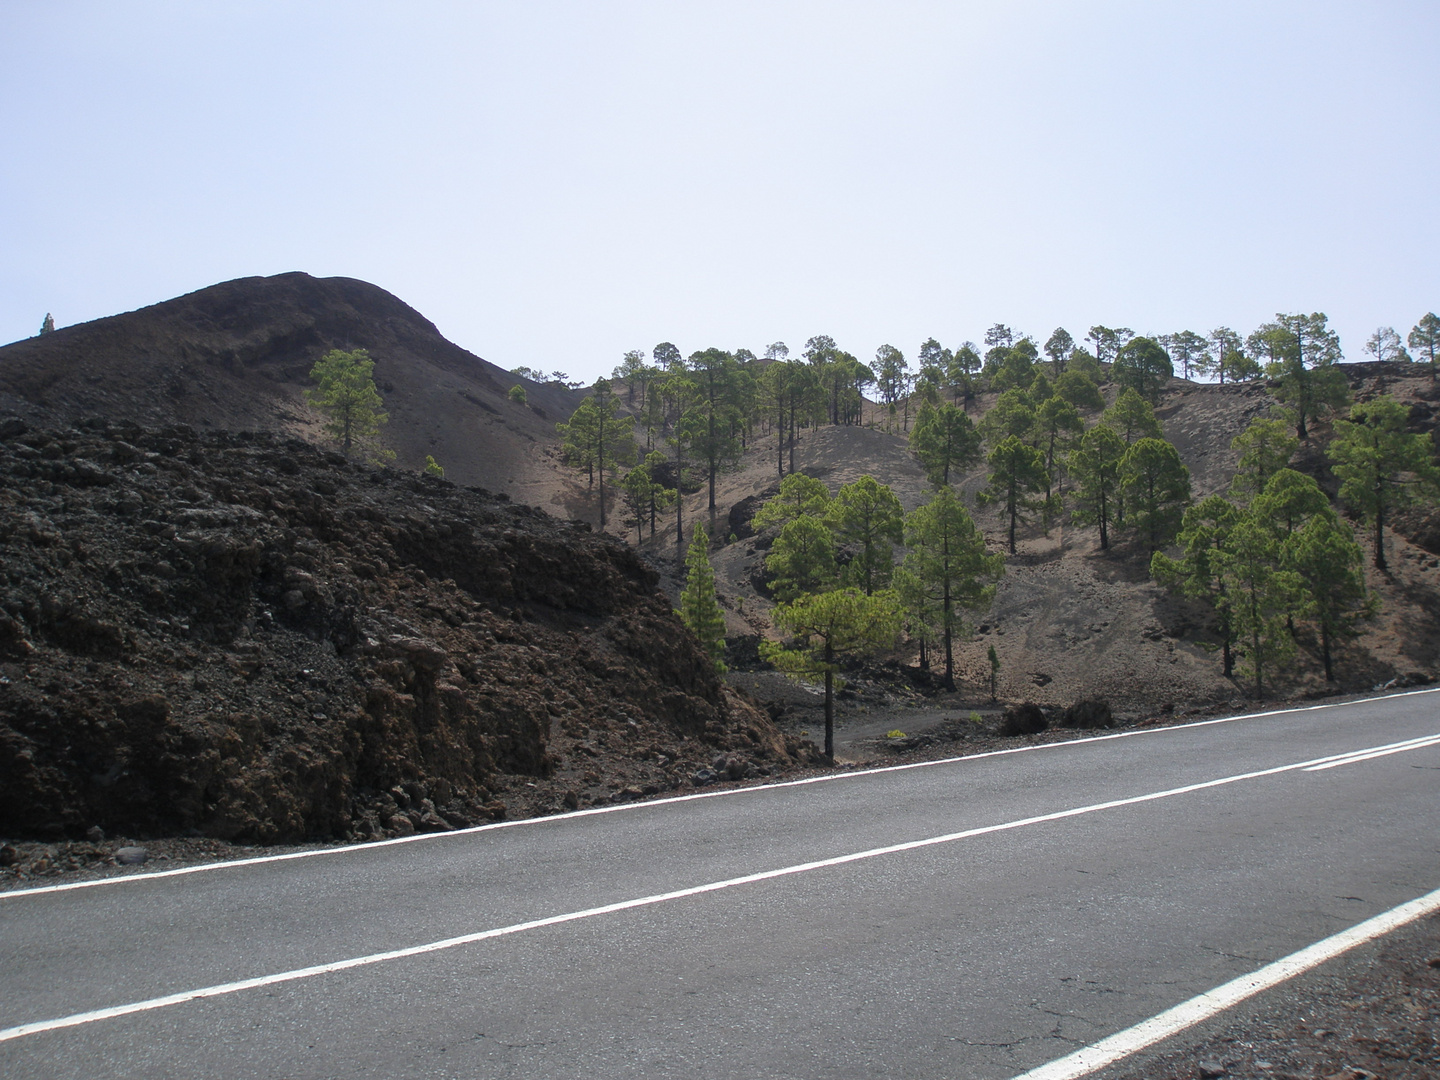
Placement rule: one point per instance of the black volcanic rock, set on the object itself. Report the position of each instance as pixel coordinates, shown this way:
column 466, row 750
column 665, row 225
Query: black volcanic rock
column 246, row 636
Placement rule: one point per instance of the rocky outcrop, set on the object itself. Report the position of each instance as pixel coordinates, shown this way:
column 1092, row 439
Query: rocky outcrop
column 247, row 637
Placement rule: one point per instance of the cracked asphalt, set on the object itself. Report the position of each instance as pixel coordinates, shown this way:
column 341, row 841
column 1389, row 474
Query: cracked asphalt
column 979, row 957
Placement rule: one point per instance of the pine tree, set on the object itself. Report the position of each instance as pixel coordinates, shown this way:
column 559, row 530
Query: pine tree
column 945, row 441
column 598, row 439
column 1382, row 466
column 644, row 496
column 1262, row 595
column 828, row 629
column 802, row 559
column 1097, row 468
column 949, row 563
column 1265, row 447
column 699, row 610
column 1017, row 478
column 349, row 399
column 1324, row 556
column 47, row 326
column 1132, row 417
column 1303, row 353
column 800, row 496
column 867, row 513
column 1142, row 365
column 1204, row 533
column 1060, row 428
column 1424, row 339
column 1290, row 499
column 1156, row 488
column 1012, row 414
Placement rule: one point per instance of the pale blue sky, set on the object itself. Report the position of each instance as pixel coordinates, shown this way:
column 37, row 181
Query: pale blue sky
column 555, row 183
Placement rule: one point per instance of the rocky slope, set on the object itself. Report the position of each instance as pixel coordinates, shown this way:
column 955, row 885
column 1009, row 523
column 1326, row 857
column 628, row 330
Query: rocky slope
column 244, row 636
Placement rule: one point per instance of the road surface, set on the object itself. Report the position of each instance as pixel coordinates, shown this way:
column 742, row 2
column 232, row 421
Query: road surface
column 972, row 918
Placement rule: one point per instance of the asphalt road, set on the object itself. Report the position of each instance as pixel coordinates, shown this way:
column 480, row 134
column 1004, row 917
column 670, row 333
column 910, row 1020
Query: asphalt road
column 970, row 956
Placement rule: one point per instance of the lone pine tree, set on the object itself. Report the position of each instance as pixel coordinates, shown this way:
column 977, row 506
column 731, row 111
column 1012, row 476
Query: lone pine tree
column 828, row 629
column 699, row 609
column 346, row 394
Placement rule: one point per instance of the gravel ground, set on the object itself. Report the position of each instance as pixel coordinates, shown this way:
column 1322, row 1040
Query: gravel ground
column 1374, row 1012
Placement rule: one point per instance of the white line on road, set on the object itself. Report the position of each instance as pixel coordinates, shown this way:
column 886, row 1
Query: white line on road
column 1366, row 755
column 231, row 864
column 1203, row 1006
column 222, row 989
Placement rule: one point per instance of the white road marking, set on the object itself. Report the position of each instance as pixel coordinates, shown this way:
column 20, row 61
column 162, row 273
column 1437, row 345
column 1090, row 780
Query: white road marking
column 221, row 989
column 1382, row 751
column 1203, row 1006
column 346, row 849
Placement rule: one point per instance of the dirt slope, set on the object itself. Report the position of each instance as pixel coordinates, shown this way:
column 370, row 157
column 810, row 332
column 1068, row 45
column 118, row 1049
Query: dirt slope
column 1071, row 621
column 237, row 356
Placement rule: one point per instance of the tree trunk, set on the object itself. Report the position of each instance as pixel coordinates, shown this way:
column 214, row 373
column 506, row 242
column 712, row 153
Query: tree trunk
column 1255, row 646
column 1325, row 651
column 780, row 440
column 600, row 462
column 679, row 511
column 947, row 614
column 1379, row 531
column 829, row 702
column 1226, row 636
column 792, row 434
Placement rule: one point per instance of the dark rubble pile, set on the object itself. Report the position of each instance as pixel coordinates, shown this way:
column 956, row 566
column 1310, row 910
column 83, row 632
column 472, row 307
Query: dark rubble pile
column 242, row 636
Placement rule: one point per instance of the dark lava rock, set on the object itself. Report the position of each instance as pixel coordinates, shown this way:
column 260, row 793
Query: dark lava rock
column 1089, row 713
column 242, row 636
column 1024, row 719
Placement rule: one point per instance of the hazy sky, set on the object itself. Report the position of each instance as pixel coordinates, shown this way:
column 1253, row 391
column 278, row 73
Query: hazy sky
column 556, row 183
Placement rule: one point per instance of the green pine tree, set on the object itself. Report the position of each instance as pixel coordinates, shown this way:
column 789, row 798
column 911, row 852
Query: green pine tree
column 348, row 397
column 699, row 610
column 828, row 629
column 1382, row 466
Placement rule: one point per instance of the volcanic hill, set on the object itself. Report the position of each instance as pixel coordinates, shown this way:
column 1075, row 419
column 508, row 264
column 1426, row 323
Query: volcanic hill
column 237, row 356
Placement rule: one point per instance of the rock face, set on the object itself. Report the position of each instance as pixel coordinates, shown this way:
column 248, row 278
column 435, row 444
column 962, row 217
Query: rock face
column 245, row 636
